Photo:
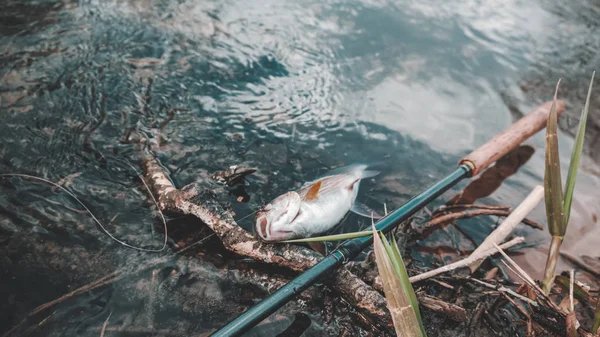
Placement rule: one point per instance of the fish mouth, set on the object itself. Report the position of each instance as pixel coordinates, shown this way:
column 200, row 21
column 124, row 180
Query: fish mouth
column 262, row 230
column 261, row 226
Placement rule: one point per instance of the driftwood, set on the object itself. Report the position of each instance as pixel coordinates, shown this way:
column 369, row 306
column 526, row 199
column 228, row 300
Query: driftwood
column 235, row 239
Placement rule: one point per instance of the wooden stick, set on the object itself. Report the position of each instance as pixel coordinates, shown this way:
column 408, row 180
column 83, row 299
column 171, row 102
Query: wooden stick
column 465, row 262
column 509, row 224
column 470, row 214
column 452, row 311
column 514, row 267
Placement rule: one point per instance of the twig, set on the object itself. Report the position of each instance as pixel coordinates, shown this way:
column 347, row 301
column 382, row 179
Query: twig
column 527, row 279
column 474, row 257
column 509, row 224
column 443, row 284
column 461, row 207
column 243, row 276
column 502, row 288
column 115, row 276
column 452, row 311
column 104, row 325
column 475, row 318
column 110, row 278
column 572, row 304
column 516, row 305
column 470, row 214
column 518, row 270
column 137, row 330
column 199, row 242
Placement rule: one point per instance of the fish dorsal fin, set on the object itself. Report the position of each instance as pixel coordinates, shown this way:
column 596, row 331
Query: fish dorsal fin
column 313, row 191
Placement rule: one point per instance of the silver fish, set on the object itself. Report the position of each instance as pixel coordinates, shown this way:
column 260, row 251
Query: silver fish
column 316, row 208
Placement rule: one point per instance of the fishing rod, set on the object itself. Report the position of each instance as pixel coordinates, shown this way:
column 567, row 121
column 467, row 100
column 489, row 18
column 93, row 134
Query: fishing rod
column 469, row 166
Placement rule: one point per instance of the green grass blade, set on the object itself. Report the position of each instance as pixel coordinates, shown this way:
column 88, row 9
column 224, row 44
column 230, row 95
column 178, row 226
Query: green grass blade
column 335, row 237
column 552, row 178
column 393, row 258
column 405, row 321
column 405, row 281
column 393, row 252
column 576, row 155
column 596, row 327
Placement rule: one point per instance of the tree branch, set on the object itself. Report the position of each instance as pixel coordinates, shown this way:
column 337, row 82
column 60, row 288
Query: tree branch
column 353, row 289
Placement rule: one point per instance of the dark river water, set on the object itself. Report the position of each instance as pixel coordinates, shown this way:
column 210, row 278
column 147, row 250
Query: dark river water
column 292, row 88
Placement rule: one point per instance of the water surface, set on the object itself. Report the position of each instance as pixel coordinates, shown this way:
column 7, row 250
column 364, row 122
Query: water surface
column 293, row 88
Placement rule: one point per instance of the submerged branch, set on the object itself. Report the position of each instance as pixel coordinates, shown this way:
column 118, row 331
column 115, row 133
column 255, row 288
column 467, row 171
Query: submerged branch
column 475, row 257
column 470, row 213
column 237, row 240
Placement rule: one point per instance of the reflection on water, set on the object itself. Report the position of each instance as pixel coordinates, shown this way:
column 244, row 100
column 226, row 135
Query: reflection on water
column 292, row 88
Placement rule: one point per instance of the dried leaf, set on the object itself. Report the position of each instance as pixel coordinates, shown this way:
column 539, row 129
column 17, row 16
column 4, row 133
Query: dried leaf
column 572, row 324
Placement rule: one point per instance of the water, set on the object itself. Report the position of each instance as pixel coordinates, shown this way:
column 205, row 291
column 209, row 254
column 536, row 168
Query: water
column 292, row 88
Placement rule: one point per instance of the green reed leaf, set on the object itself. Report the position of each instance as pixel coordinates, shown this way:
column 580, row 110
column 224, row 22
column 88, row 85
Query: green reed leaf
column 596, row 327
column 552, row 178
column 405, row 281
column 576, row 156
column 405, row 321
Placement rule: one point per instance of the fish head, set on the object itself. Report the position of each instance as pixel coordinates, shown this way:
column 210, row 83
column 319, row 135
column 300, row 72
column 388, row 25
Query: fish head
column 274, row 221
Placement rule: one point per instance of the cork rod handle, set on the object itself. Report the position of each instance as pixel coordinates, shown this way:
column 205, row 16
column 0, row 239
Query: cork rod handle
column 510, row 138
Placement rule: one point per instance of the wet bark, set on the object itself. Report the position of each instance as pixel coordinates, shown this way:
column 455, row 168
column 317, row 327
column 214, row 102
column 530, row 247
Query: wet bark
column 210, row 212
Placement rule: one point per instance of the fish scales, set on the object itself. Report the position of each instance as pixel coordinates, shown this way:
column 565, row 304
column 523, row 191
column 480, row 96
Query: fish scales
column 313, row 209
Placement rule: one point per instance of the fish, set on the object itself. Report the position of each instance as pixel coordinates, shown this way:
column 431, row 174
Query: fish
column 315, row 208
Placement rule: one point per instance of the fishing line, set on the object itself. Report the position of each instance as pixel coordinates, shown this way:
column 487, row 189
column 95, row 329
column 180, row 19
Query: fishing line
column 249, row 215
column 94, row 217
column 201, row 241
